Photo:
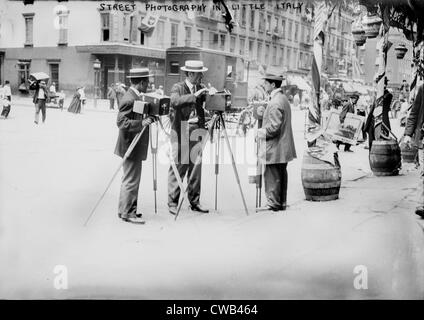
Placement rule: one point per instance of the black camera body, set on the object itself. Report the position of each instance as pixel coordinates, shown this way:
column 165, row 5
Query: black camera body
column 220, row 101
column 152, row 104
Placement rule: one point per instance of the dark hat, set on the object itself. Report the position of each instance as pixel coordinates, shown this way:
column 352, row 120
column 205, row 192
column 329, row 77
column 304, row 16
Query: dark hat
column 139, row 73
column 269, row 76
column 354, row 95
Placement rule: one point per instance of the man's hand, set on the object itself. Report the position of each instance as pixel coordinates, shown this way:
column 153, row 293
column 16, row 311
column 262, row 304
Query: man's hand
column 407, row 140
column 261, row 134
column 148, row 121
column 199, row 92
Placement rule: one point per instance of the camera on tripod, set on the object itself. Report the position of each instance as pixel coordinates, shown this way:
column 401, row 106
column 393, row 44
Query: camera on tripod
column 220, row 101
column 152, row 104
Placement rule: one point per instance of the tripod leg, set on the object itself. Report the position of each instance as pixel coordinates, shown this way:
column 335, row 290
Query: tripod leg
column 153, row 146
column 127, row 154
column 198, row 159
column 233, row 163
column 218, row 139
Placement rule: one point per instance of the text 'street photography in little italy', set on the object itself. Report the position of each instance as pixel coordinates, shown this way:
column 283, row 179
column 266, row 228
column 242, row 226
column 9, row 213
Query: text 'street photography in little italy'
column 212, row 150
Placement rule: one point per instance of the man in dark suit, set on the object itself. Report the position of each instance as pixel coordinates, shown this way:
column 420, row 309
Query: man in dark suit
column 188, row 124
column 41, row 95
column 348, row 107
column 415, row 128
column 278, row 148
column 130, row 124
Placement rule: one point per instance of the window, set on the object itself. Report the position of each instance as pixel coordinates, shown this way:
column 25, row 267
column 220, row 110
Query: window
column 105, row 26
column 288, row 57
column 213, row 40
column 188, row 36
column 54, row 74
column 261, row 22
column 174, row 67
column 242, row 44
column 126, row 28
column 290, row 29
column 251, row 43
column 222, row 41
column 23, row 73
column 276, row 24
column 243, row 16
column 160, row 31
column 252, row 19
column 296, row 31
column 200, row 37
column 174, row 34
column 232, row 44
column 294, row 56
column 29, row 28
column 266, row 54
column 142, row 38
column 259, row 51
column 133, row 29
column 281, row 56
column 268, row 27
column 283, row 28
column 274, row 55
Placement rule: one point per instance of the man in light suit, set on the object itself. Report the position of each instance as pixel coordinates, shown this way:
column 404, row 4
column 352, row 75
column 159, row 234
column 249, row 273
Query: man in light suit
column 278, row 146
column 130, row 124
column 414, row 132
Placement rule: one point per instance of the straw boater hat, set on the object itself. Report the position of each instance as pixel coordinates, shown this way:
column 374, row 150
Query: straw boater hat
column 194, row 66
column 139, row 73
column 270, row 76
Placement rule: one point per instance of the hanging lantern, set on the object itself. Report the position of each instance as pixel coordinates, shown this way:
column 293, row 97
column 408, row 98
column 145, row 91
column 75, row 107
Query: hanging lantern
column 358, row 33
column 400, row 50
column 372, row 24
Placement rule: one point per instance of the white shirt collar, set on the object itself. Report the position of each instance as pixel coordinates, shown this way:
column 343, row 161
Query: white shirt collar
column 189, row 85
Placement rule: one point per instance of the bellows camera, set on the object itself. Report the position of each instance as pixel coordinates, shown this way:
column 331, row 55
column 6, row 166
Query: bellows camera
column 152, row 104
column 220, row 101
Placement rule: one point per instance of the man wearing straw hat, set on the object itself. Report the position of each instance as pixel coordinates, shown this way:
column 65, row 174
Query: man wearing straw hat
column 130, row 124
column 187, row 122
column 279, row 148
column 41, row 95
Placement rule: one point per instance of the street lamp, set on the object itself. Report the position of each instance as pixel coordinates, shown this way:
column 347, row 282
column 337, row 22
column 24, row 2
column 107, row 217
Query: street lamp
column 96, row 67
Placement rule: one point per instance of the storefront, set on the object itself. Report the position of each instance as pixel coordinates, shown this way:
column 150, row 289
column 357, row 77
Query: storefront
column 117, row 59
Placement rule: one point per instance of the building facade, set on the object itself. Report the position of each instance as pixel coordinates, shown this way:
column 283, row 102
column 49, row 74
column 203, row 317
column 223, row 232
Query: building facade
column 64, row 39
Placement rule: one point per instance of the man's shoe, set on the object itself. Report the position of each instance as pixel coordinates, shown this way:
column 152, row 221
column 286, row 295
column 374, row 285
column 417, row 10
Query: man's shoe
column 134, row 220
column 420, row 211
column 267, row 208
column 198, row 208
column 137, row 215
column 173, row 210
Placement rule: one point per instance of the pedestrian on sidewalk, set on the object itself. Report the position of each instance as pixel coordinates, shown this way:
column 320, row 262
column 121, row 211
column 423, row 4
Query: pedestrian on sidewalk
column 7, row 103
column 349, row 103
column 278, row 147
column 61, row 100
column 415, row 128
column 41, row 95
column 77, row 101
column 130, row 124
column 111, row 95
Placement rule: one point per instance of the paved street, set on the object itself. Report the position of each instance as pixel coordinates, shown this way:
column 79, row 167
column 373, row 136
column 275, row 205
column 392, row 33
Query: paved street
column 51, row 176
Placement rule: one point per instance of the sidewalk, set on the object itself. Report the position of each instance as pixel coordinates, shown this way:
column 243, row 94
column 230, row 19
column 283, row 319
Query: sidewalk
column 102, row 104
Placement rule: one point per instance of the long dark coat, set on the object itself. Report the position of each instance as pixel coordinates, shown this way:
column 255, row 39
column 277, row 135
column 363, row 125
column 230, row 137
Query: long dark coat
column 415, row 123
column 129, row 124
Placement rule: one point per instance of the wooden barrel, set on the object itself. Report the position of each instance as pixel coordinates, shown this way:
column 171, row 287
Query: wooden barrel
column 321, row 180
column 409, row 153
column 385, row 157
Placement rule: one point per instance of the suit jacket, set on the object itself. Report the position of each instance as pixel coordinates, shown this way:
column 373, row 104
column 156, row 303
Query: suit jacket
column 183, row 102
column 347, row 108
column 279, row 143
column 415, row 122
column 37, row 89
column 129, row 124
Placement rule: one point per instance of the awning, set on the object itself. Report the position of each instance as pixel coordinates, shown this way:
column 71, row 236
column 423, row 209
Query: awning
column 124, row 49
column 299, row 82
